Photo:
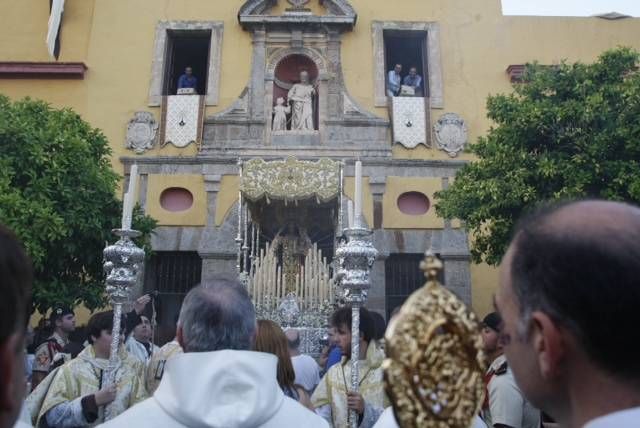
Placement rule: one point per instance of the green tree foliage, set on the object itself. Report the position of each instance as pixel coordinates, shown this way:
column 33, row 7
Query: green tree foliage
column 57, row 192
column 569, row 131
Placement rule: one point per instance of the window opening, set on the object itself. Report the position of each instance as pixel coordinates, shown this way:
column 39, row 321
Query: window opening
column 402, row 277
column 408, row 49
column 168, row 276
column 186, row 48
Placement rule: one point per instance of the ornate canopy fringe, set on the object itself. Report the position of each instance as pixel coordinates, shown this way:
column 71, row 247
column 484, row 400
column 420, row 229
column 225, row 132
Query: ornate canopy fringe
column 290, row 179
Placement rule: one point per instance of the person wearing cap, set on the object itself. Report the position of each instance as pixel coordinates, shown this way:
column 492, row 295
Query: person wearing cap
column 63, row 321
column 505, row 406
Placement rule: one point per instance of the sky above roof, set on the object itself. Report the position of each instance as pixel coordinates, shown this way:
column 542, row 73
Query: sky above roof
column 570, row 7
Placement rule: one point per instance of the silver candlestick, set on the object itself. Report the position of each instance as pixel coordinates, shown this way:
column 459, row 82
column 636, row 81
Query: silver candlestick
column 355, row 258
column 122, row 264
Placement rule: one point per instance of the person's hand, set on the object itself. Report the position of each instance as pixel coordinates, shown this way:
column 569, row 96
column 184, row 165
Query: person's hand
column 141, row 303
column 355, row 402
column 106, row 395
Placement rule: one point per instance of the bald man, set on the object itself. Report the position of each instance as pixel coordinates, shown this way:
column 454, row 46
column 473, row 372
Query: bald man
column 306, row 368
column 569, row 296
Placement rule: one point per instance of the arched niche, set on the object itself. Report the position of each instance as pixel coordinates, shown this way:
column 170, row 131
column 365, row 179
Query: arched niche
column 287, row 73
column 288, row 61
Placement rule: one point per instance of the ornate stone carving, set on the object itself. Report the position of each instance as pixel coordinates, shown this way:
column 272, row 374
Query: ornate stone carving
column 290, row 179
column 142, row 131
column 298, row 4
column 451, row 133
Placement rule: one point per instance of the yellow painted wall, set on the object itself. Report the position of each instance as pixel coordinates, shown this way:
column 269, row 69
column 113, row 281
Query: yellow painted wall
column 194, row 216
column 393, row 218
column 115, row 39
column 484, row 280
column 82, row 316
column 227, row 197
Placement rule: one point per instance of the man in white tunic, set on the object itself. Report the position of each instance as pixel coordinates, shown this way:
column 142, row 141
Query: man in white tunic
column 300, row 99
column 218, row 381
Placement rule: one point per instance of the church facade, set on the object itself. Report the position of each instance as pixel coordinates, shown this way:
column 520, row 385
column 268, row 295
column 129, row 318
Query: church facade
column 257, row 143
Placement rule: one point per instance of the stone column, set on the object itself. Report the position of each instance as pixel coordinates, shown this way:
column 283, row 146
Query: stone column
column 217, row 246
column 377, row 186
column 256, row 88
column 377, row 300
column 378, row 292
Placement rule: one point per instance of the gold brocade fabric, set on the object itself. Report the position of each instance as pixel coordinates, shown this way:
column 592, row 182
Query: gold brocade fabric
column 155, row 368
column 336, row 382
column 81, row 376
column 290, row 179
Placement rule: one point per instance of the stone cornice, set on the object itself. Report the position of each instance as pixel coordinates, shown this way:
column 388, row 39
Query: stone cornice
column 42, row 70
column 232, row 160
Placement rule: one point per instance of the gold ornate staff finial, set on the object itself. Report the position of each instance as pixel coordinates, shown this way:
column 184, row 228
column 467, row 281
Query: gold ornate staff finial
column 431, row 265
column 435, row 364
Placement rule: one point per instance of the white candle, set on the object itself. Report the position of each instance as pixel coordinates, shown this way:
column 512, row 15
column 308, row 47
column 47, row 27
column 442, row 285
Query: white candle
column 129, row 198
column 350, row 213
column 358, row 193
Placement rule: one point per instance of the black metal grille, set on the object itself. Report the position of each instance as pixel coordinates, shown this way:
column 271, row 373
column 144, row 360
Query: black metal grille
column 402, row 277
column 169, row 275
column 173, row 272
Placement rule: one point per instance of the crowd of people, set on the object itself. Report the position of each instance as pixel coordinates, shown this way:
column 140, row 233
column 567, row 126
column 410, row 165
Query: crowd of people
column 561, row 341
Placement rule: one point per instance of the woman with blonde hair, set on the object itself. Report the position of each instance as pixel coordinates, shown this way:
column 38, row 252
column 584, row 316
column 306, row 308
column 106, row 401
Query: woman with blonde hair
column 271, row 339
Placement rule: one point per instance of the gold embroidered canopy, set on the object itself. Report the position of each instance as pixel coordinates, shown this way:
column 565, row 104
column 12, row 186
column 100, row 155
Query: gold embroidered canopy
column 290, row 179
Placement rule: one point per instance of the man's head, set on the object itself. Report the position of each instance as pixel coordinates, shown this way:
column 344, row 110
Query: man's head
column 490, row 334
column 293, row 339
column 63, row 319
column 398, row 68
column 99, row 331
column 341, row 321
column 142, row 332
column 188, row 71
column 304, row 77
column 569, row 296
column 413, row 71
column 216, row 315
column 15, row 289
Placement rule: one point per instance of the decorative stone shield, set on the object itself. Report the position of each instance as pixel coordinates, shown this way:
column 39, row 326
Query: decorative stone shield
column 451, row 133
column 141, row 132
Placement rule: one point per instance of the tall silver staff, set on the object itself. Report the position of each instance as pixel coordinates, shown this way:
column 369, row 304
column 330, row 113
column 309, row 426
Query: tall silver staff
column 355, row 258
column 122, row 265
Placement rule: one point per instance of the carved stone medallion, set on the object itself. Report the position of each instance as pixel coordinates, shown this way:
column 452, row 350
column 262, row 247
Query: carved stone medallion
column 298, row 4
column 141, row 132
column 451, row 133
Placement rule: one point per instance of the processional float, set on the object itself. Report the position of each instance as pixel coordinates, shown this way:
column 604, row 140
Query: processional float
column 289, row 278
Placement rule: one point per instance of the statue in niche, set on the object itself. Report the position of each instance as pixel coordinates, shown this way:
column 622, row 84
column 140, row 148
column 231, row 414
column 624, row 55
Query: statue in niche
column 300, row 97
column 280, row 115
column 291, row 244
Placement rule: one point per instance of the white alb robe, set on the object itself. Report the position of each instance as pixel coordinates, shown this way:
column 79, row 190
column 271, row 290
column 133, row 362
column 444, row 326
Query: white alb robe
column 219, row 389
